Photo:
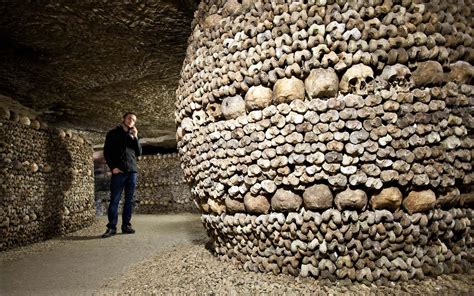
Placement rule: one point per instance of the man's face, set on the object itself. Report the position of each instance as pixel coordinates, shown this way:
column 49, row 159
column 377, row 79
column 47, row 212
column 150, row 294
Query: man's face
column 130, row 120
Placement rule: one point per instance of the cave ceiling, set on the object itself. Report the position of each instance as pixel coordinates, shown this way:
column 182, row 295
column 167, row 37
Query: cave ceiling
column 82, row 64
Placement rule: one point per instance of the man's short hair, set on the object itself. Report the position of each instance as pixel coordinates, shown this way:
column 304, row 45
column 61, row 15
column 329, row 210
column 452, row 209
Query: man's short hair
column 128, row 113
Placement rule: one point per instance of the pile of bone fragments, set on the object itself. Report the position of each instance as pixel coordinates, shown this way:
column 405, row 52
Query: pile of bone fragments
column 47, row 183
column 332, row 139
column 161, row 187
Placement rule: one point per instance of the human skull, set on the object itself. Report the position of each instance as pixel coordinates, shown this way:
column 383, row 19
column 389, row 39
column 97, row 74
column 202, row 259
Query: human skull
column 377, row 85
column 461, row 72
column 428, row 73
column 287, row 90
column 398, row 76
column 258, row 97
column 212, row 21
column 237, row 7
column 233, row 107
column 231, row 7
column 322, row 83
column 213, row 110
column 355, row 79
column 199, row 117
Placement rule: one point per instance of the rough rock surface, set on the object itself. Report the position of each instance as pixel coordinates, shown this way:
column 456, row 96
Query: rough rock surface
column 86, row 63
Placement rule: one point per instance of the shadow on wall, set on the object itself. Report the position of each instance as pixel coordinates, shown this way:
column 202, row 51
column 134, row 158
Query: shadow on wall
column 57, row 185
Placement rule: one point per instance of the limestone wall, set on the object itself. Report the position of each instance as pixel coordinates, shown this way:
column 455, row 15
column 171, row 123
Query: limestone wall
column 46, row 181
column 291, row 112
column 161, row 186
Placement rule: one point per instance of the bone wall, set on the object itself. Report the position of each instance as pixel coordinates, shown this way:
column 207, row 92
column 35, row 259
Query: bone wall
column 368, row 246
column 161, row 187
column 46, row 178
column 286, row 107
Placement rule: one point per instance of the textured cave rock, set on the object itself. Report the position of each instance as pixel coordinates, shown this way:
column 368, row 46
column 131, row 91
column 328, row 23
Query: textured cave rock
column 82, row 64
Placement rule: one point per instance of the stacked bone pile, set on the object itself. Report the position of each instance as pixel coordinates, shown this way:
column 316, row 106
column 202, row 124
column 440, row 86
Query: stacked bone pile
column 161, row 187
column 47, row 185
column 369, row 246
column 309, row 112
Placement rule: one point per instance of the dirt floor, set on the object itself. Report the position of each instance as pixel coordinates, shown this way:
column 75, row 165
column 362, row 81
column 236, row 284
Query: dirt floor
column 166, row 256
column 82, row 262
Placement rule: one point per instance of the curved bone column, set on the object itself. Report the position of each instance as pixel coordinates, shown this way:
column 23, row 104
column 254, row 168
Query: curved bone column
column 332, row 140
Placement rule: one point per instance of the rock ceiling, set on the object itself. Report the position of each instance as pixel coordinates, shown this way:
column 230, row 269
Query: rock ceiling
column 83, row 64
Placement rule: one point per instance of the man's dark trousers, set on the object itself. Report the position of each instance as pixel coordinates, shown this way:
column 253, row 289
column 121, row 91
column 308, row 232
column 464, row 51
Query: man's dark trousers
column 118, row 183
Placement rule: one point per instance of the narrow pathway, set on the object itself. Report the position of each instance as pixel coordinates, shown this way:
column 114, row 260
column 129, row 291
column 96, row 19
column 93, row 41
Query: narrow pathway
column 81, row 262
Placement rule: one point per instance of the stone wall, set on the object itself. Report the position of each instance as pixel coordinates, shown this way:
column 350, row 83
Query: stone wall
column 46, row 178
column 161, row 186
column 332, row 138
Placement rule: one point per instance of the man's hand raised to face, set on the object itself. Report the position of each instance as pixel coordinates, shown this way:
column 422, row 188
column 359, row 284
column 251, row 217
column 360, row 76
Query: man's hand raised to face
column 134, row 132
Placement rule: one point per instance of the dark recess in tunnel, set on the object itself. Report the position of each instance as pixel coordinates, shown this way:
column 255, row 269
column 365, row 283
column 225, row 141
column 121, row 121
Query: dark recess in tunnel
column 152, row 150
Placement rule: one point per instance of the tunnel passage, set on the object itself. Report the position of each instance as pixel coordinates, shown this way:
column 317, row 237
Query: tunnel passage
column 332, row 139
column 161, row 187
column 80, row 66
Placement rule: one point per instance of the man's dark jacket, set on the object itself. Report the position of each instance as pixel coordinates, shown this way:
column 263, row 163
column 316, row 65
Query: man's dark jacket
column 121, row 151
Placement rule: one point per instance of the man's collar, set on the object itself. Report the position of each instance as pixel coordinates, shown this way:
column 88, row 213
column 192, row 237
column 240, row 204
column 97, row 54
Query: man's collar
column 124, row 127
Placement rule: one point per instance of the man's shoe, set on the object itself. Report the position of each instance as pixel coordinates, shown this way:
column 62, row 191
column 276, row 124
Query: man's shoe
column 109, row 233
column 128, row 229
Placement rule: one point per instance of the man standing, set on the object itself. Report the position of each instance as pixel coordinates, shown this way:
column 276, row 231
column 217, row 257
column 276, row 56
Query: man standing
column 121, row 149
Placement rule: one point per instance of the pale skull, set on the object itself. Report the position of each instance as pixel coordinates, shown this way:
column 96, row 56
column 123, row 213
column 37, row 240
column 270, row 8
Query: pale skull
column 214, row 111
column 322, row 83
column 355, row 79
column 212, row 21
column 287, row 90
column 428, row 73
column 398, row 76
column 258, row 97
column 233, row 107
column 199, row 117
column 237, row 7
column 377, row 85
column 231, row 7
column 461, row 72
column 187, row 124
